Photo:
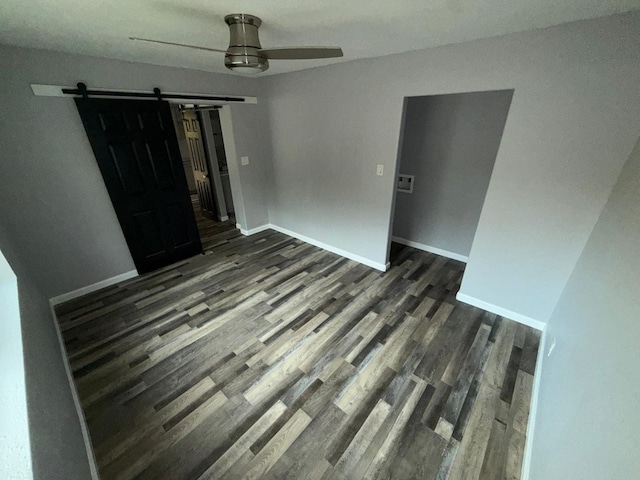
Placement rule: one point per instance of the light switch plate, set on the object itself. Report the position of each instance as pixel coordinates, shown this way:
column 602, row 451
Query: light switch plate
column 380, row 170
column 244, row 160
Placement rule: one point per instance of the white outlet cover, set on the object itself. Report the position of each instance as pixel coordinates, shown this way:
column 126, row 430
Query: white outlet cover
column 380, row 170
column 244, row 160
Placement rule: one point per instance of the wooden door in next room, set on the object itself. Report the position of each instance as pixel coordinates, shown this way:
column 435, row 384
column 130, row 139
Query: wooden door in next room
column 136, row 148
column 199, row 163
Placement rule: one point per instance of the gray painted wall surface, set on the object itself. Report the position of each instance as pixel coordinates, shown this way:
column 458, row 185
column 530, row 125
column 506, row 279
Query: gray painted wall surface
column 15, row 450
column 572, row 123
column 57, row 447
column 250, row 128
column 587, row 422
column 52, row 197
column 450, row 144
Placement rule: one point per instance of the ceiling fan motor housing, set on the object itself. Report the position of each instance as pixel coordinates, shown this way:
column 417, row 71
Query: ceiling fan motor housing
column 244, row 44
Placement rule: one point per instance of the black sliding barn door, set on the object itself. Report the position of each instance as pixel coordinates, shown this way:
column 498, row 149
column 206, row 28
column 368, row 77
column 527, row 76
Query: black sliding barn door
column 137, row 152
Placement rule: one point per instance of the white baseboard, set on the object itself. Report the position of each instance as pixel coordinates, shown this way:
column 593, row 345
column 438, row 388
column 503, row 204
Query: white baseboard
column 253, row 231
column 533, row 410
column 65, row 297
column 503, row 312
column 224, row 218
column 325, row 246
column 430, row 249
column 93, row 465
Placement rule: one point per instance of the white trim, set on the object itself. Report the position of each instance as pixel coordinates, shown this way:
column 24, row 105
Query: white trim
column 427, row 248
column 93, row 465
column 107, row 282
column 211, row 154
column 224, row 218
column 503, row 312
column 533, row 411
column 56, row 91
column 325, row 246
column 352, row 256
column 235, row 181
column 253, row 231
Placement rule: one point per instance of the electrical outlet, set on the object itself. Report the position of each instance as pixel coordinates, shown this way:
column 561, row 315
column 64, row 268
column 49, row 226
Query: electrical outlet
column 553, row 345
column 244, row 160
column 405, row 183
column 380, row 170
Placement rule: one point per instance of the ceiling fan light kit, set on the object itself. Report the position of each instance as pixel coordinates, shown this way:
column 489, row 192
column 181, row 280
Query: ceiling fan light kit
column 243, row 54
column 246, row 55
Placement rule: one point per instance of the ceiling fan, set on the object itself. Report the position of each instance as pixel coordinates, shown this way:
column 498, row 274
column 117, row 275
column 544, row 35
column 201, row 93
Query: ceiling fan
column 246, row 55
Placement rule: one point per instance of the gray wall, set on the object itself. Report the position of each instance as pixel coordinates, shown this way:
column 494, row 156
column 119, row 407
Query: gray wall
column 450, row 144
column 572, row 122
column 52, row 197
column 587, row 421
column 250, row 129
column 58, row 451
column 57, row 225
column 15, row 450
column 56, row 443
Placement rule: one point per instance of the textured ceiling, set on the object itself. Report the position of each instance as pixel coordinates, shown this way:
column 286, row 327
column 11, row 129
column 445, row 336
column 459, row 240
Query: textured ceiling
column 362, row 28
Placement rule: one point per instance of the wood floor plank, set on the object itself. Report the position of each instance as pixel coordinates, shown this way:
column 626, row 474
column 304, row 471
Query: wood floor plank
column 383, row 455
column 136, row 459
column 271, row 453
column 422, row 457
column 471, row 452
column 271, row 358
column 233, row 454
column 494, row 459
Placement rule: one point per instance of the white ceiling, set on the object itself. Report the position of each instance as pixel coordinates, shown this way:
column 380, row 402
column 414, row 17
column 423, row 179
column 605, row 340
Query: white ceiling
column 362, row 28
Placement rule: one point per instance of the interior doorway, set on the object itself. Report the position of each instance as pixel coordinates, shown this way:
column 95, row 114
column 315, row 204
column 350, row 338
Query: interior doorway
column 164, row 215
column 204, row 159
column 137, row 154
column 448, row 147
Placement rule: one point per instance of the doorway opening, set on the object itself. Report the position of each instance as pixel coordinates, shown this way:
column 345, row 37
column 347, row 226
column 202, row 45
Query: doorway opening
column 204, row 159
column 136, row 147
column 448, row 147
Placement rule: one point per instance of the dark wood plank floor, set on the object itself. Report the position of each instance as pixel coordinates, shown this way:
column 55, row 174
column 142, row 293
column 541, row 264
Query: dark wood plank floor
column 270, row 358
column 212, row 231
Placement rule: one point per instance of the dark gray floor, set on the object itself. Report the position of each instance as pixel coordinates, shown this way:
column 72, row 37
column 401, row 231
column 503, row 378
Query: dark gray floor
column 271, row 358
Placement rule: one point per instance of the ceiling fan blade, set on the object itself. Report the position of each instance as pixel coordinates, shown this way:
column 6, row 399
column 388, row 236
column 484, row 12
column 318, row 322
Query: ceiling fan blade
column 177, row 44
column 301, row 53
